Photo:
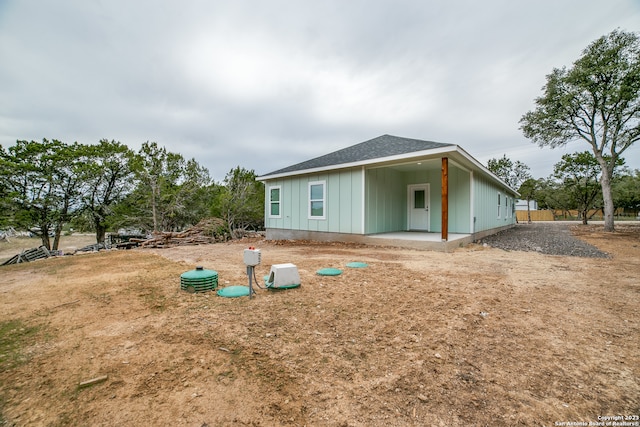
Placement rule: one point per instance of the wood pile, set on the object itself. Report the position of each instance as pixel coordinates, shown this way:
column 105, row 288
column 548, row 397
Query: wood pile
column 29, row 255
column 123, row 241
column 211, row 230
column 92, row 248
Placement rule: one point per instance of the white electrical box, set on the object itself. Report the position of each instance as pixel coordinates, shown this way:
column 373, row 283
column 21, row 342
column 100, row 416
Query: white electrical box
column 252, row 256
column 283, row 276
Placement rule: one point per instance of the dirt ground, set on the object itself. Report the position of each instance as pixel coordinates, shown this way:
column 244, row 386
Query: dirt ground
column 479, row 336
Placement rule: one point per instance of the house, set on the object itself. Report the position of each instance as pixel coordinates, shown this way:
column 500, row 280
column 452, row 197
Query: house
column 388, row 190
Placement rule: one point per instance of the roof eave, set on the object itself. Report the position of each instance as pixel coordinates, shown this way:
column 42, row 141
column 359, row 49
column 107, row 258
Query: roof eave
column 480, row 166
column 368, row 162
column 380, row 160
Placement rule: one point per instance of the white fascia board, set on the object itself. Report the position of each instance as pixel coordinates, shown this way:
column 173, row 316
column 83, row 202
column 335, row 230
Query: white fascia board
column 369, row 162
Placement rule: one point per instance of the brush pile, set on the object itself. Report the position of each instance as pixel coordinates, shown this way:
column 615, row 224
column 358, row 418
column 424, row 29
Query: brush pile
column 210, row 230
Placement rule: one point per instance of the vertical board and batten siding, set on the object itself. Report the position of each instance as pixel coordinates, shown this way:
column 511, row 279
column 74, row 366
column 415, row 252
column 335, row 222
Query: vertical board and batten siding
column 386, row 201
column 486, row 205
column 344, row 210
column 459, row 201
column 343, row 203
column 459, row 197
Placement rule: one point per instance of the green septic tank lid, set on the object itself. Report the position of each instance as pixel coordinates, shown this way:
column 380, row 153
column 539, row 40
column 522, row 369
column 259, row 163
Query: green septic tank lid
column 199, row 273
column 234, row 291
column 329, row 272
column 357, row 265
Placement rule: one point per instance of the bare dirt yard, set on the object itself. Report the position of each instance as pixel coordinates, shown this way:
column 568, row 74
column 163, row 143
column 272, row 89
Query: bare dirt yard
column 480, row 336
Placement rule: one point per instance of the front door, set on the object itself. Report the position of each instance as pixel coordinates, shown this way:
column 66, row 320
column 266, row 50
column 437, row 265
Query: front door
column 418, row 198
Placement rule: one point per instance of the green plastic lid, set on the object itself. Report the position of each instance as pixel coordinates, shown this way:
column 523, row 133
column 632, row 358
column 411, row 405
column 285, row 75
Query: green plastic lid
column 329, row 272
column 234, row 291
column 199, row 273
column 357, row 265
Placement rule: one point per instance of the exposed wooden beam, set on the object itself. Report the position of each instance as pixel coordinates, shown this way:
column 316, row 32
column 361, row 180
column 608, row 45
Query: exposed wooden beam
column 445, row 199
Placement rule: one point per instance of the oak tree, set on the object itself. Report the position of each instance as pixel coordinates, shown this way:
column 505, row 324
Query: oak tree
column 597, row 101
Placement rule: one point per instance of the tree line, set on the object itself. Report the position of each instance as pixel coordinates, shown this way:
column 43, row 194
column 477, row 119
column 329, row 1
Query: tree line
column 574, row 184
column 49, row 185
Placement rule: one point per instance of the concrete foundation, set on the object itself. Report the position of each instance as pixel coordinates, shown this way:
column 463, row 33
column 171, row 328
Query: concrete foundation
column 403, row 239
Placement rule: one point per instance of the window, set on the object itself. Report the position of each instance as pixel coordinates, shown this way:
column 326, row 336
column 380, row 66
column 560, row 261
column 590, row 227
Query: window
column 316, row 200
column 419, row 200
column 498, row 205
column 274, row 202
column 507, row 211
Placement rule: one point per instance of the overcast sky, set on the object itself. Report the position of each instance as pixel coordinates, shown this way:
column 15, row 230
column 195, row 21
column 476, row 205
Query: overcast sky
column 264, row 84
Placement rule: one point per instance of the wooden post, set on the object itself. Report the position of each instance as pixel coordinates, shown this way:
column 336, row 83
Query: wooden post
column 445, row 199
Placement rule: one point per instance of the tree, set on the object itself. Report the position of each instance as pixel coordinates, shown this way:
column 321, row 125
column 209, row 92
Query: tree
column 241, row 201
column 26, row 187
column 68, row 178
column 7, row 208
column 512, row 173
column 578, row 173
column 528, row 191
column 156, row 170
column 193, row 198
column 626, row 191
column 42, row 180
column 108, row 179
column 166, row 184
column 551, row 194
column 597, row 101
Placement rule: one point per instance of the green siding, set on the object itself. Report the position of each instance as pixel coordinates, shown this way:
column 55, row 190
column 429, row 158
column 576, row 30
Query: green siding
column 296, row 211
column 459, row 201
column 343, row 203
column 486, row 205
column 459, row 197
column 385, row 199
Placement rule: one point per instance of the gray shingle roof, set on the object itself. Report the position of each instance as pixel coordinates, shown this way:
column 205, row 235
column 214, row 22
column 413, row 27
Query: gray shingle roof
column 376, row 148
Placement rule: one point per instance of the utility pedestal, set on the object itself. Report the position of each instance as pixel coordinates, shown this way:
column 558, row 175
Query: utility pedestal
column 251, row 259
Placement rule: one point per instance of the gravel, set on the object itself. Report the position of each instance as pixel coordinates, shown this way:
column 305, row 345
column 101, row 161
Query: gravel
column 551, row 238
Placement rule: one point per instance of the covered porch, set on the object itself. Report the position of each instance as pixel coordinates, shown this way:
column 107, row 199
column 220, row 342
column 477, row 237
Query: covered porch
column 426, row 200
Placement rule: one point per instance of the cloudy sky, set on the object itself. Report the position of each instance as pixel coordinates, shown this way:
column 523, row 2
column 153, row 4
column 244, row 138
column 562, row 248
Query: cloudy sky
column 264, row 84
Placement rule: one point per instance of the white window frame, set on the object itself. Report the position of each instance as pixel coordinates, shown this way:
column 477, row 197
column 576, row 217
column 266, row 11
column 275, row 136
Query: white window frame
column 279, row 202
column 499, row 205
column 323, row 200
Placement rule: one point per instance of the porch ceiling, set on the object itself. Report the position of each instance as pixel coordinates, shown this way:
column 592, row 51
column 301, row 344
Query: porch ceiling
column 417, row 165
column 427, row 162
